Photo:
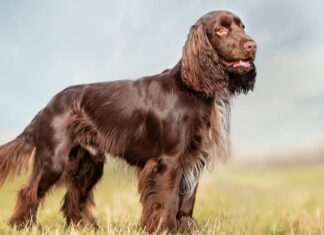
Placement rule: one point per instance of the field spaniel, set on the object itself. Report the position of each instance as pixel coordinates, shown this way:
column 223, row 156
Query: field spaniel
column 169, row 126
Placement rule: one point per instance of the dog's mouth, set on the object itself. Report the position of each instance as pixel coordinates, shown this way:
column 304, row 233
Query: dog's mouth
column 245, row 63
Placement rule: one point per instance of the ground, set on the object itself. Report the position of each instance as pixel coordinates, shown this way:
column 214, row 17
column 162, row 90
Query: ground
column 231, row 200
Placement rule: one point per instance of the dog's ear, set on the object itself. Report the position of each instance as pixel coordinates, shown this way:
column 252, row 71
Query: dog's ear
column 200, row 67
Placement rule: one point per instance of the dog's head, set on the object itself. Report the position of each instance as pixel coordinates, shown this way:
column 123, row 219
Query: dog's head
column 219, row 54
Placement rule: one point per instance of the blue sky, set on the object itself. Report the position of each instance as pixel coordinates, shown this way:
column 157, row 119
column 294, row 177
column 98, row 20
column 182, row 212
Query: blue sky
column 46, row 46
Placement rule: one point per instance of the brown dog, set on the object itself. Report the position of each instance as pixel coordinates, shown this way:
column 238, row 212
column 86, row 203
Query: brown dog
column 169, row 126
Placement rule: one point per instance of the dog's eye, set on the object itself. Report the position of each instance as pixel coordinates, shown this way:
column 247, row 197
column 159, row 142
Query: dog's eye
column 222, row 31
column 242, row 26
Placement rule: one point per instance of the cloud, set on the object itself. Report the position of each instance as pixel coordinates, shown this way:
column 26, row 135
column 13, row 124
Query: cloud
column 285, row 112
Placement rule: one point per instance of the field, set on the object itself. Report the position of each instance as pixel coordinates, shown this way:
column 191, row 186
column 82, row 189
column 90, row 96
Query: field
column 231, row 200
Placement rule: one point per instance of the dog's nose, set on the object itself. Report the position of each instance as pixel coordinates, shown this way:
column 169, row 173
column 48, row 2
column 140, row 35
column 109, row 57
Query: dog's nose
column 250, row 46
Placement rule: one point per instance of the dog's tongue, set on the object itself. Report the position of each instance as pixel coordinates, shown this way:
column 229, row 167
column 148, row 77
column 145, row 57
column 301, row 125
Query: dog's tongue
column 238, row 63
column 241, row 63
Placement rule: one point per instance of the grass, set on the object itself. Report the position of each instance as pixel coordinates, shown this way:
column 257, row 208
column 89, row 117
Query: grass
column 231, row 200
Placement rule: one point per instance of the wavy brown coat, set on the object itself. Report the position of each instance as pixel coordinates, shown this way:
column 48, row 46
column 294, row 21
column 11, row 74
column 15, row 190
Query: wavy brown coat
column 169, row 126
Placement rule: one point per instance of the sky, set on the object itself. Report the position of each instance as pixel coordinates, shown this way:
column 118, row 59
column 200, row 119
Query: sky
column 46, row 46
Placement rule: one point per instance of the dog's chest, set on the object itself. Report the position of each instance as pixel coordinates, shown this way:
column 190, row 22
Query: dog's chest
column 218, row 134
column 215, row 145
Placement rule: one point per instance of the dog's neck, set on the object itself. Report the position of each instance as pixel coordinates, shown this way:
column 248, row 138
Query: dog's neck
column 221, row 89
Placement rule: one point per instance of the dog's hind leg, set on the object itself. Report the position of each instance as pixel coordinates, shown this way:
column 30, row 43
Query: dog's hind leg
column 53, row 144
column 83, row 172
column 46, row 172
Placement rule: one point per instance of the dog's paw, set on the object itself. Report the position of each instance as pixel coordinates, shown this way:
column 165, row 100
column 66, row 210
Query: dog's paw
column 159, row 220
column 187, row 224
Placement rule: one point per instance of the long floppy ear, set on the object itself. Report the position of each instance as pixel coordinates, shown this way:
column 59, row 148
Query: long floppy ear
column 200, row 63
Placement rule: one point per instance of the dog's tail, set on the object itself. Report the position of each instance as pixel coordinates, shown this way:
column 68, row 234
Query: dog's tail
column 15, row 155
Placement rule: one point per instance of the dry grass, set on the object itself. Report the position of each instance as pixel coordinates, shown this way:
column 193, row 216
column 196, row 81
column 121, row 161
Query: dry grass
column 231, row 200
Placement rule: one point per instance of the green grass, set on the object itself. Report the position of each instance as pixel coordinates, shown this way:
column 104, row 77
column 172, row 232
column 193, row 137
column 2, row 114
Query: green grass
column 231, row 200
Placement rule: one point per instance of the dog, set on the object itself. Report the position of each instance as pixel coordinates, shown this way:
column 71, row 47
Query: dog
column 169, row 126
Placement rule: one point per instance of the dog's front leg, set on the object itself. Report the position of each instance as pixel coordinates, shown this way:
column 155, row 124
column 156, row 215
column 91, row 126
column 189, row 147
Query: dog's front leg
column 186, row 223
column 159, row 188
